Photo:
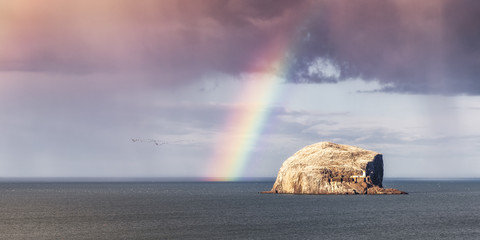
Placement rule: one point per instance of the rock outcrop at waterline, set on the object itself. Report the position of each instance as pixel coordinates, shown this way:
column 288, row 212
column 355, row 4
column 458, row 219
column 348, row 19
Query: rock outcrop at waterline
column 329, row 168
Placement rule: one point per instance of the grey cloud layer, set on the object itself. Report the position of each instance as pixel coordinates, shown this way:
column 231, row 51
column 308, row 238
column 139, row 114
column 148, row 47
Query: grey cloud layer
column 408, row 46
column 411, row 46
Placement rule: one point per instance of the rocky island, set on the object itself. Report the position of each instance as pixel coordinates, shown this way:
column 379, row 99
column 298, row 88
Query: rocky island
column 329, row 168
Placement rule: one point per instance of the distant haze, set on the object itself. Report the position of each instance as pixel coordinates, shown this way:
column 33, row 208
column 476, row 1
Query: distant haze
column 147, row 88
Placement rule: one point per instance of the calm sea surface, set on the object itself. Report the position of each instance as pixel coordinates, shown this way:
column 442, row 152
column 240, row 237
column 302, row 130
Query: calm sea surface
column 163, row 210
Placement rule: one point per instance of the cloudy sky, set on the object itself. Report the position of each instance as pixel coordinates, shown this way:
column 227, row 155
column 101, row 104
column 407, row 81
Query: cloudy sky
column 231, row 88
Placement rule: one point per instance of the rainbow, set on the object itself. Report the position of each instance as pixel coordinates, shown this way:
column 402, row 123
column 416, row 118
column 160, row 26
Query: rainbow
column 245, row 123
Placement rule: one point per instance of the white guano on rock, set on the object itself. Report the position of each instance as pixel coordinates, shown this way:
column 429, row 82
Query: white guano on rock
column 329, row 168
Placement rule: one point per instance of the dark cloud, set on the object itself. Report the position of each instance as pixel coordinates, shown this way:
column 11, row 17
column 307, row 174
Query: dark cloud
column 408, row 46
column 171, row 40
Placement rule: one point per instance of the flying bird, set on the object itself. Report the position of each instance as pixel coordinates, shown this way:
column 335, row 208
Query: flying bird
column 158, row 142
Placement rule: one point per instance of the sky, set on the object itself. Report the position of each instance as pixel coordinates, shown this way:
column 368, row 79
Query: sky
column 229, row 89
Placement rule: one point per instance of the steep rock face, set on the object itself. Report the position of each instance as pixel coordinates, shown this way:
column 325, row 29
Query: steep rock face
column 329, row 168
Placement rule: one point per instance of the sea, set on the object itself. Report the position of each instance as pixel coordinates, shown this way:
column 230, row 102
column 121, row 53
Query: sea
column 433, row 209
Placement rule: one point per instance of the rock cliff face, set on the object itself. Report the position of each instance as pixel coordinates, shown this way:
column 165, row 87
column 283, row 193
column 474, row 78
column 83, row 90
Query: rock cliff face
column 329, row 168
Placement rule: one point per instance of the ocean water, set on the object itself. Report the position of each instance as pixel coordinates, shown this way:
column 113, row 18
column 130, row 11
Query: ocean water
column 235, row 210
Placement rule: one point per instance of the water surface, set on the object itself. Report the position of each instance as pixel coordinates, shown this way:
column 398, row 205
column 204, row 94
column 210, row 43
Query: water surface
column 234, row 210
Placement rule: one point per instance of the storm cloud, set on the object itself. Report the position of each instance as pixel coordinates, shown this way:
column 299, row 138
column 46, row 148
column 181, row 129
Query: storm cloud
column 407, row 46
column 175, row 41
column 410, row 46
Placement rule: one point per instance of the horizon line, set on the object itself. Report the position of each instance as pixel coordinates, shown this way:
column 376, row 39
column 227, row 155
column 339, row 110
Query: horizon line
column 199, row 179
